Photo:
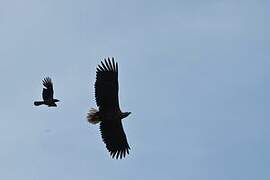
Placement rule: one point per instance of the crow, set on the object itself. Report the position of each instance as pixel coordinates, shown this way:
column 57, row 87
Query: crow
column 109, row 114
column 47, row 94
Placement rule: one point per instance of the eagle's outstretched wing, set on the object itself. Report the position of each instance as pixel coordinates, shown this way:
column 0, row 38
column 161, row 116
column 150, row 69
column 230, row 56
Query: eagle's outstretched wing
column 114, row 137
column 47, row 93
column 106, row 86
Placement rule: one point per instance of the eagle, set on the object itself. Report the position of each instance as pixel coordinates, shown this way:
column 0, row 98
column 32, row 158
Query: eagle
column 47, row 94
column 109, row 114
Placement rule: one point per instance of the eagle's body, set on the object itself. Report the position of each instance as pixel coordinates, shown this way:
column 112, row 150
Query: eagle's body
column 47, row 94
column 109, row 114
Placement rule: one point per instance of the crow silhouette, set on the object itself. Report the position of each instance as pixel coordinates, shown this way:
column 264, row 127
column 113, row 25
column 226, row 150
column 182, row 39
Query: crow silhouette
column 47, row 94
column 109, row 114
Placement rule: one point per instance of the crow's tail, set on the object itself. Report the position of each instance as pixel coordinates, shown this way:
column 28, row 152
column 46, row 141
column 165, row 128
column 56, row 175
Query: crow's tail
column 93, row 116
column 38, row 103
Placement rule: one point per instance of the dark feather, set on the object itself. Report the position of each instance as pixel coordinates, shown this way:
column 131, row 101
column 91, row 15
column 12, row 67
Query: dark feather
column 114, row 137
column 47, row 93
column 106, row 87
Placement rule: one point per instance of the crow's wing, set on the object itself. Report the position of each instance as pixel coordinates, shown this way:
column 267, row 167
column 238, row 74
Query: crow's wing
column 114, row 137
column 47, row 93
column 106, row 86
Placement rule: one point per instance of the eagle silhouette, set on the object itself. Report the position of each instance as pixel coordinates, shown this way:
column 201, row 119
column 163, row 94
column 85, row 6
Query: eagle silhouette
column 109, row 114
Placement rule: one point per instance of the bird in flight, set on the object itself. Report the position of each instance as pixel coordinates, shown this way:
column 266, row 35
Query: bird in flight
column 47, row 94
column 109, row 114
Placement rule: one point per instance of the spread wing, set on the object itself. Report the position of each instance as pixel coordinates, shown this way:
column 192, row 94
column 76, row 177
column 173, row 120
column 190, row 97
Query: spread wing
column 114, row 137
column 47, row 93
column 106, row 86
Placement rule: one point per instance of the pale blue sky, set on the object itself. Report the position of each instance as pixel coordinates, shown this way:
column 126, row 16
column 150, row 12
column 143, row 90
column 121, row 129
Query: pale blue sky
column 194, row 74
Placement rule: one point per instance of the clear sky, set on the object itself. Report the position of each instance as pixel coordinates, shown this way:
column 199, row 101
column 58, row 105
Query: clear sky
column 195, row 75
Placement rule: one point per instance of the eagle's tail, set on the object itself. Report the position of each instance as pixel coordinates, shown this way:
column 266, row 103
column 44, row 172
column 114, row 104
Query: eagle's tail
column 38, row 103
column 93, row 116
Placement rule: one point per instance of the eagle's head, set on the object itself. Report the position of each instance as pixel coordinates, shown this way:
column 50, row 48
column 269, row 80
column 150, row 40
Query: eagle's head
column 125, row 114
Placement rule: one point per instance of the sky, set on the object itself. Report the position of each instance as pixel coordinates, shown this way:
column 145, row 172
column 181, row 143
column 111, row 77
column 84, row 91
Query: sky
column 195, row 75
